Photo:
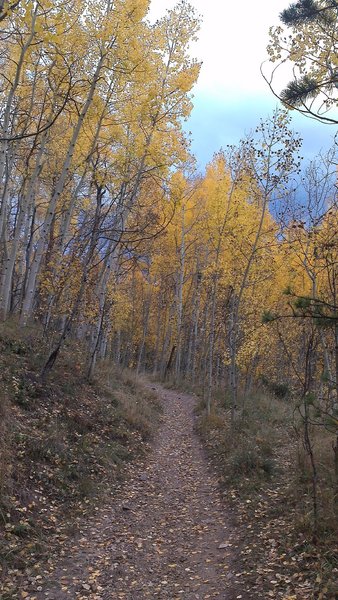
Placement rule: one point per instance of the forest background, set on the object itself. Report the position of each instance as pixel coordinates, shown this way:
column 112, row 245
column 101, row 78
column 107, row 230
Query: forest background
column 115, row 248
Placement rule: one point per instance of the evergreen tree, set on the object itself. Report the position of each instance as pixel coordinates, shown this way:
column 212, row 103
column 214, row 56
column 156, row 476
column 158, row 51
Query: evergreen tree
column 312, row 47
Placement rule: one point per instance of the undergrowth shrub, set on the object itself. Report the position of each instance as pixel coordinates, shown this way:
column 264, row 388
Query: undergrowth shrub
column 280, row 389
column 301, row 482
column 248, row 450
column 244, row 460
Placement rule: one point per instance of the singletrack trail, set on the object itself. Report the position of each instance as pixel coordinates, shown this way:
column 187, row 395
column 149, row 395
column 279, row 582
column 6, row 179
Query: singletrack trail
column 165, row 534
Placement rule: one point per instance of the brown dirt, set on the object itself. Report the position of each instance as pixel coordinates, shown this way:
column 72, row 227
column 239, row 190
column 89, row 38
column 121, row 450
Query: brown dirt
column 164, row 536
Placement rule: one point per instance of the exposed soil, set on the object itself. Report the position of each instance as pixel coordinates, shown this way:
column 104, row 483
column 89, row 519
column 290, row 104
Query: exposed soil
column 165, row 535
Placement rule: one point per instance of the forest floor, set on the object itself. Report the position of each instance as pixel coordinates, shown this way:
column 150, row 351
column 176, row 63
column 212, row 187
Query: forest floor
column 165, row 535
column 170, row 528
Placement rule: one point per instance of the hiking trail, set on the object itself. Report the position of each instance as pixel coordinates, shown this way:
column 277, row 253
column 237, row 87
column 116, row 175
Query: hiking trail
column 165, row 534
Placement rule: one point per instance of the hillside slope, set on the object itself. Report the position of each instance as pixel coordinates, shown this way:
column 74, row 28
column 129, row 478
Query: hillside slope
column 64, row 445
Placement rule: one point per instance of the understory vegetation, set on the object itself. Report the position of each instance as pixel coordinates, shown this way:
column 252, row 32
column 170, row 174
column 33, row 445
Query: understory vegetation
column 65, row 446
column 267, row 480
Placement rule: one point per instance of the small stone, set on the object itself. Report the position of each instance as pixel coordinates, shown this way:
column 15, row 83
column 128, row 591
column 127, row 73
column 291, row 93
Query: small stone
column 86, row 587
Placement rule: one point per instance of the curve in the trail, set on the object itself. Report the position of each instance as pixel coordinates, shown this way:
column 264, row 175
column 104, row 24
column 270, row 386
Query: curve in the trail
column 164, row 537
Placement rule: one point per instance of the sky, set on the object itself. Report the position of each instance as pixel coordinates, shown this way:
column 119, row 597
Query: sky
column 231, row 95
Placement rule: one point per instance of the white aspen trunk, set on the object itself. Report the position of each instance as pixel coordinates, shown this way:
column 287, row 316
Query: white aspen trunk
column 70, row 209
column 3, row 212
column 6, row 287
column 5, row 133
column 214, row 299
column 158, row 333
column 65, row 221
column 28, row 245
column 111, row 255
column 64, row 230
column 189, row 350
column 93, row 358
column 35, row 267
column 166, row 341
column 203, row 347
column 4, row 205
column 335, row 400
column 235, row 316
column 3, row 220
column 19, row 267
column 180, row 296
column 3, row 226
column 195, row 334
column 218, row 370
column 118, row 348
column 29, row 296
column 233, row 358
column 212, row 340
column 68, row 213
column 110, row 266
column 104, row 345
column 144, row 335
column 102, row 286
column 81, row 331
column 335, row 403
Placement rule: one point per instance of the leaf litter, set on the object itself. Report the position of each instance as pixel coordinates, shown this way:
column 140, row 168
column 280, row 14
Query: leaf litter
column 164, row 534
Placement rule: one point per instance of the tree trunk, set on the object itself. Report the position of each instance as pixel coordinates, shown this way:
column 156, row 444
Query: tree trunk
column 158, row 334
column 5, row 133
column 27, row 200
column 212, row 338
column 169, row 363
column 233, row 359
column 179, row 302
column 144, row 335
column 35, row 268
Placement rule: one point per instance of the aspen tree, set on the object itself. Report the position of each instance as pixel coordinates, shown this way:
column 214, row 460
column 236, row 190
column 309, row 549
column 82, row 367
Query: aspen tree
column 270, row 162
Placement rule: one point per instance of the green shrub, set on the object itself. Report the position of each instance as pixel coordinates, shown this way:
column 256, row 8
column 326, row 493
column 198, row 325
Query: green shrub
column 244, row 460
column 268, row 466
column 279, row 389
column 22, row 530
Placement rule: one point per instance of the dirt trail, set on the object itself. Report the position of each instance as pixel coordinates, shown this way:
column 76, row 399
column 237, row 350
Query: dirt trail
column 165, row 537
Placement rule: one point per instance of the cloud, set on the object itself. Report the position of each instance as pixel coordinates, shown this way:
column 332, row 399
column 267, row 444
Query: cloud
column 231, row 43
column 231, row 95
column 215, row 123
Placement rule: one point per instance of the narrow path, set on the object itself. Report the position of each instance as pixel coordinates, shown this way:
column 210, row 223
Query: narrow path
column 165, row 537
